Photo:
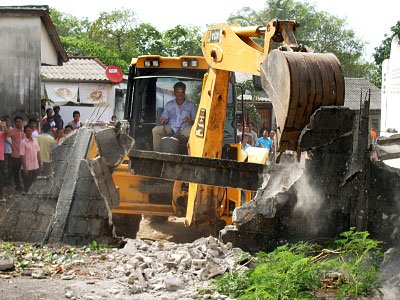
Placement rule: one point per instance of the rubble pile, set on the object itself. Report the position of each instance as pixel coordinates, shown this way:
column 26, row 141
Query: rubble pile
column 142, row 269
column 156, row 267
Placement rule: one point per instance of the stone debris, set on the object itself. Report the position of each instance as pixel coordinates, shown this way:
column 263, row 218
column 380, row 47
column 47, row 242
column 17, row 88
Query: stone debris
column 6, row 263
column 142, row 269
column 38, row 274
column 151, row 267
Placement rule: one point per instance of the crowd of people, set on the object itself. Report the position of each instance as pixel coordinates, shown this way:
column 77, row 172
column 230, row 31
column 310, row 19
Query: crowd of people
column 25, row 151
column 249, row 138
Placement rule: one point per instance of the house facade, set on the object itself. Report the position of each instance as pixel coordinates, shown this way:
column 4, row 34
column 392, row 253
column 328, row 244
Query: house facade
column 81, row 84
column 28, row 40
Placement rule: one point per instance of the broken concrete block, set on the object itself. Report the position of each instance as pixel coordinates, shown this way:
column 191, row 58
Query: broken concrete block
column 173, row 284
column 6, row 263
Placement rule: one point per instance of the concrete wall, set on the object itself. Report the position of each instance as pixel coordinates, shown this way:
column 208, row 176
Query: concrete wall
column 20, row 62
column 336, row 187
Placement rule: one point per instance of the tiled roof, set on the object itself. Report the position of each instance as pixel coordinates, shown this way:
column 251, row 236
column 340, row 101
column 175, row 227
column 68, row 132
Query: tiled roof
column 76, row 69
column 353, row 93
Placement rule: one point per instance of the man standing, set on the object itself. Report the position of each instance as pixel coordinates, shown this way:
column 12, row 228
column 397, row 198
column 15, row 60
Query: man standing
column 3, row 137
column 253, row 134
column 30, row 157
column 46, row 144
column 244, row 142
column 57, row 117
column 271, row 154
column 49, row 114
column 76, row 123
column 264, row 141
column 17, row 135
column 178, row 116
column 7, row 152
column 35, row 131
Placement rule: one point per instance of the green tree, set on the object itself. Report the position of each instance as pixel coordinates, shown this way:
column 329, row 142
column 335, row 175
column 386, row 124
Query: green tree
column 249, row 109
column 68, row 25
column 145, row 39
column 182, row 40
column 83, row 46
column 381, row 53
column 319, row 30
column 115, row 31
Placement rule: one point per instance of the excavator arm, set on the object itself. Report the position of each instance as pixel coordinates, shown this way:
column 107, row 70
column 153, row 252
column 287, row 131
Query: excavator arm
column 296, row 81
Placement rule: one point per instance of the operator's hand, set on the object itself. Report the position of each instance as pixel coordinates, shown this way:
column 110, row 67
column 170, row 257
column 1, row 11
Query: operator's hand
column 163, row 120
column 187, row 120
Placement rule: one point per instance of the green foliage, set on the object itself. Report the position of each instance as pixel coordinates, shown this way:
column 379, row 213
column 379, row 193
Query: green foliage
column 115, row 31
column 250, row 110
column 296, row 272
column 182, row 40
column 357, row 263
column 94, row 246
column 82, row 46
column 381, row 53
column 68, row 25
column 146, row 39
column 116, row 37
column 319, row 30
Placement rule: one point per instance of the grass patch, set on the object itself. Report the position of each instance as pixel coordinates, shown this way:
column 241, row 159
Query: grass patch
column 349, row 267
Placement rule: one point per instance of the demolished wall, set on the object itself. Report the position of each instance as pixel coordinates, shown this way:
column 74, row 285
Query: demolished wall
column 68, row 206
column 334, row 188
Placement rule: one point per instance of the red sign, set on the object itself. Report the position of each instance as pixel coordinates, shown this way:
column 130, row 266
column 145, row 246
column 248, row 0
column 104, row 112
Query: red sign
column 114, row 74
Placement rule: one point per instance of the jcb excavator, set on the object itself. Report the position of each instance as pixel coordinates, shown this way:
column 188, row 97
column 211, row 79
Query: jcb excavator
column 216, row 176
column 83, row 201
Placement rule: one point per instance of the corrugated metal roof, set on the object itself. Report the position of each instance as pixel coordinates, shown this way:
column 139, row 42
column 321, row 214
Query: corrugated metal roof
column 353, row 88
column 76, row 69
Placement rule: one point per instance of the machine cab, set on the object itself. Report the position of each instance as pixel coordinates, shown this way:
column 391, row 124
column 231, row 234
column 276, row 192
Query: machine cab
column 150, row 87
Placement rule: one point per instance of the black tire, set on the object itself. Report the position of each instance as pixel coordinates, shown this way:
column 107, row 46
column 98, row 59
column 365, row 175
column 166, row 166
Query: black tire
column 156, row 187
column 126, row 225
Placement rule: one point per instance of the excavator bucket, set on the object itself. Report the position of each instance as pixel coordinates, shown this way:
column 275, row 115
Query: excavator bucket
column 298, row 83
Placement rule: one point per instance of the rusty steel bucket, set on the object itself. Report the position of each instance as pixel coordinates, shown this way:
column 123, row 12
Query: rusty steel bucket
column 298, row 83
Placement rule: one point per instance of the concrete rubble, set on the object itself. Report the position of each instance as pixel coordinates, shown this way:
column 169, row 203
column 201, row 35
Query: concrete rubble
column 142, row 269
column 154, row 267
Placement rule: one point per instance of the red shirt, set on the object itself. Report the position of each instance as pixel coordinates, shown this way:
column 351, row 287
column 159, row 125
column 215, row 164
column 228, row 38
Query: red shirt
column 2, row 140
column 29, row 150
column 17, row 135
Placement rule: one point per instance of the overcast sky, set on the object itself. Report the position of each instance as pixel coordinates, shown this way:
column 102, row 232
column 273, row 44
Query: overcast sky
column 370, row 19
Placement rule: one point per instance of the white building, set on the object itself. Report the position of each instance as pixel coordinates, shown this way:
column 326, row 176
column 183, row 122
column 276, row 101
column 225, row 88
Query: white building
column 81, row 84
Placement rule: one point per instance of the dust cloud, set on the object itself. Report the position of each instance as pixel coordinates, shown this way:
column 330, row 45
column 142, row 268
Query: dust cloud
column 309, row 204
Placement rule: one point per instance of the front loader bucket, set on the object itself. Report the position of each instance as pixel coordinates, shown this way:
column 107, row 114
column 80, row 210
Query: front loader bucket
column 298, row 83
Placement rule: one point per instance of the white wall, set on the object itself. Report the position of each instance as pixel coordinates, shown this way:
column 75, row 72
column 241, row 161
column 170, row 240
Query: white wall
column 390, row 93
column 48, row 52
column 86, row 113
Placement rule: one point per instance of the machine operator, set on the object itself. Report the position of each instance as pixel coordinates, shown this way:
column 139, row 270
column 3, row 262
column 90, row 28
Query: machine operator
column 178, row 116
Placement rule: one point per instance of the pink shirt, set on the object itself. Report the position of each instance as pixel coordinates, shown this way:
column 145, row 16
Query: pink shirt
column 2, row 140
column 16, row 137
column 29, row 150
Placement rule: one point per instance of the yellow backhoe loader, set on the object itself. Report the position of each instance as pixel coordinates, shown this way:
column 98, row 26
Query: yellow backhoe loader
column 105, row 179
column 216, row 176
